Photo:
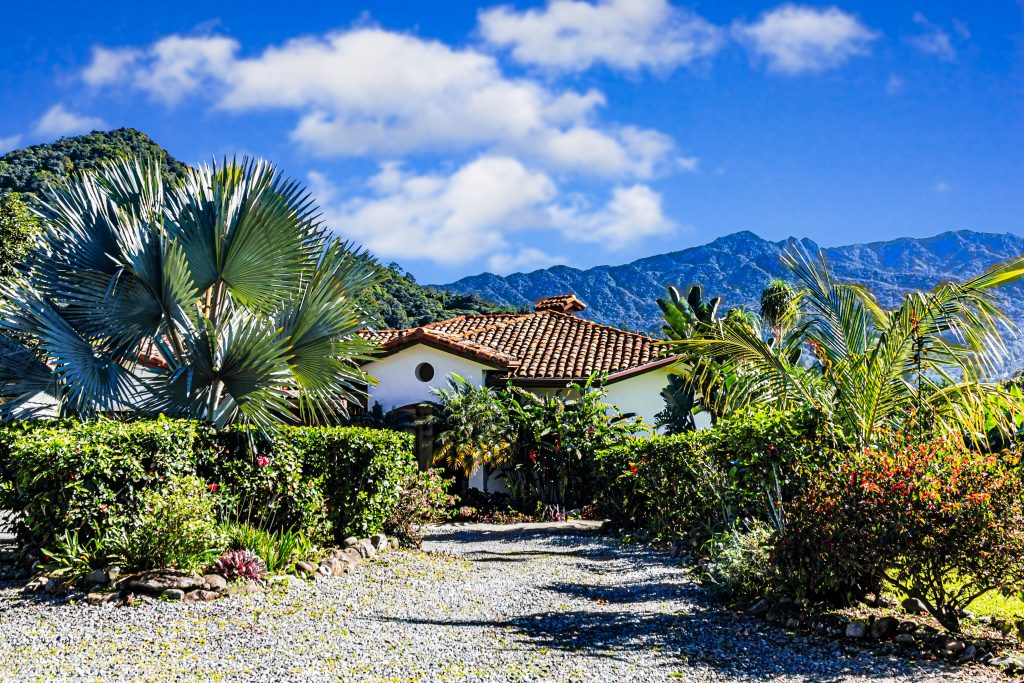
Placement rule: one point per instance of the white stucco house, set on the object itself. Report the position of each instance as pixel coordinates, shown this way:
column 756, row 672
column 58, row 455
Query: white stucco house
column 542, row 351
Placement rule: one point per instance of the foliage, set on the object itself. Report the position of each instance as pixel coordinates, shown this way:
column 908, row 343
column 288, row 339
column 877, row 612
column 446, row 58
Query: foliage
column 916, row 368
column 18, row 229
column 699, row 483
column 780, row 308
column 741, row 564
column 424, row 500
column 82, row 477
column 681, row 404
column 360, row 472
column 72, row 557
column 75, row 476
column 175, row 527
column 31, row 169
column 219, row 298
column 474, row 427
column 940, row 522
column 239, row 565
column 397, row 301
column 279, row 549
column 683, row 317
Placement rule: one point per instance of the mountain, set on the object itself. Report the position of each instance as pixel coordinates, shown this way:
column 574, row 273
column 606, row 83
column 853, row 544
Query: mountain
column 397, row 302
column 738, row 266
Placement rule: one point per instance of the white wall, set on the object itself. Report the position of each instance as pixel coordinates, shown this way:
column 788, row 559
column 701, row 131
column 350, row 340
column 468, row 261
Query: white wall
column 397, row 384
column 641, row 395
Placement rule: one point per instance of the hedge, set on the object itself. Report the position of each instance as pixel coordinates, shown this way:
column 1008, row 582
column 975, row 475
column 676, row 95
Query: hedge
column 77, row 476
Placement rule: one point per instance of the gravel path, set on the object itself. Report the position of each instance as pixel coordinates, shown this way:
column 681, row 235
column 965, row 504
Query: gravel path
column 480, row 604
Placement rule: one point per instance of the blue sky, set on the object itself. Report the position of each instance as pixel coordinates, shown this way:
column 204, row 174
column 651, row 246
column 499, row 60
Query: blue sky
column 459, row 137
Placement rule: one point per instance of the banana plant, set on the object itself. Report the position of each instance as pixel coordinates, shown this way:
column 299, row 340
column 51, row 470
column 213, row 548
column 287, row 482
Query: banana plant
column 220, row 298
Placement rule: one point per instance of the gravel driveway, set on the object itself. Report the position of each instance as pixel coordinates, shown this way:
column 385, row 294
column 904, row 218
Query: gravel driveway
column 480, row 604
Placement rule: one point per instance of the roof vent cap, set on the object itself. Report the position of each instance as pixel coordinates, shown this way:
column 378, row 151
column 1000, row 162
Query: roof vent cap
column 563, row 303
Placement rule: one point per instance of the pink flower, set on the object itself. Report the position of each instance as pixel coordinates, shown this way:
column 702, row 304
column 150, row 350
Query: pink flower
column 262, row 461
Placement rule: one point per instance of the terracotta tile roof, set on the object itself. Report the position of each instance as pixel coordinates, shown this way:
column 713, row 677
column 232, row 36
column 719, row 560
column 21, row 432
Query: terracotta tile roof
column 535, row 346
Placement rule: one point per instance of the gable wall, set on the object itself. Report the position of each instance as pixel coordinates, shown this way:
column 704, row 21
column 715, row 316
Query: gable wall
column 398, row 385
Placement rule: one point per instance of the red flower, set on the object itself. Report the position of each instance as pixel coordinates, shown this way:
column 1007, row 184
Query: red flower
column 212, row 487
column 632, row 468
column 262, row 461
column 533, row 455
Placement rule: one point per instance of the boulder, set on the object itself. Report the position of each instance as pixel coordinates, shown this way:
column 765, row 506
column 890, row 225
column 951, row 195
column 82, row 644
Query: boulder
column 393, row 544
column 856, row 629
column 173, row 594
column 352, row 556
column 201, row 596
column 365, row 548
column 884, row 628
column 379, row 542
column 759, row 608
column 913, row 606
column 304, row 568
column 97, row 577
column 904, row 638
column 351, row 541
column 102, row 598
column 215, row 582
column 155, row 583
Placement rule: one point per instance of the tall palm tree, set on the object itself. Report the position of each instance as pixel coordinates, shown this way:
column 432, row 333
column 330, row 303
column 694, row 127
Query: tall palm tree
column 221, row 298
column 780, row 306
column 920, row 367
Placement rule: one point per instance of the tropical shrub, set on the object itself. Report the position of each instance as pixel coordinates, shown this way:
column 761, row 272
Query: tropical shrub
column 239, row 565
column 72, row 557
column 424, row 500
column 360, row 472
column 174, row 527
column 939, row 522
column 741, row 565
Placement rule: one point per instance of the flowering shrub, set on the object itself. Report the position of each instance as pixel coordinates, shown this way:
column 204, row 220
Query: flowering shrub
column 424, row 500
column 741, row 562
column 236, row 565
column 940, row 522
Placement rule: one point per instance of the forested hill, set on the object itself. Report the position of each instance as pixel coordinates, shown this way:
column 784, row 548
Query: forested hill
column 398, row 302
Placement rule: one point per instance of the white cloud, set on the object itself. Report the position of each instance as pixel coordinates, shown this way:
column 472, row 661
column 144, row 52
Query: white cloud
column 482, row 209
column 574, row 35
column 371, row 92
column 524, row 260
column 796, row 39
column 934, row 40
column 9, row 142
column 59, row 121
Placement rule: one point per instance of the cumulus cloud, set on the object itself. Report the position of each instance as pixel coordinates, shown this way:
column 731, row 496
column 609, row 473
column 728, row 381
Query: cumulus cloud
column 372, row 92
column 9, row 142
column 59, row 121
column 934, row 40
column 478, row 210
column 795, row 39
column 574, row 35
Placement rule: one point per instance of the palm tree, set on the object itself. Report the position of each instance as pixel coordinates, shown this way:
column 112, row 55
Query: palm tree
column 780, row 305
column 920, row 367
column 220, row 298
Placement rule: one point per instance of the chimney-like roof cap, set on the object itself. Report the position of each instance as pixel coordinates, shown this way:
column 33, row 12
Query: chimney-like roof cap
column 563, row 303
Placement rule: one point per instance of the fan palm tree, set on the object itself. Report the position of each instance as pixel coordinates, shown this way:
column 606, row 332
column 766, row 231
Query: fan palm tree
column 220, row 298
column 918, row 367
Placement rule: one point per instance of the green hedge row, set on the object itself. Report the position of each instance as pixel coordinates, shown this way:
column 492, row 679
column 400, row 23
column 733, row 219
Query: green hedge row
column 327, row 482
column 699, row 483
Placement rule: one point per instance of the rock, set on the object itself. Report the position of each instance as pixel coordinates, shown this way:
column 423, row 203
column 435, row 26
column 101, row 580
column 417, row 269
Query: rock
column 793, row 622
column 304, row 567
column 201, row 596
column 904, row 638
column 779, row 611
column 324, row 570
column 352, row 556
column 56, row 587
column 130, row 600
column 215, row 582
column 101, row 598
column 351, row 541
column 954, row 647
column 856, row 629
column 379, row 542
column 884, row 628
column 244, row 588
column 277, row 580
column 913, row 606
column 870, row 599
column 155, row 583
column 36, row 584
column 394, row 544
column 113, row 573
column 969, row 654
column 365, row 548
column 173, row 594
column 97, row 577
column 759, row 608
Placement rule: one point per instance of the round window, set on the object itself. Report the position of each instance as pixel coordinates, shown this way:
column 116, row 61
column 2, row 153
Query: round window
column 424, row 372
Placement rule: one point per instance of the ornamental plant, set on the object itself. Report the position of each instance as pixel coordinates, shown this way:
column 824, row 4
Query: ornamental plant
column 938, row 521
column 240, row 565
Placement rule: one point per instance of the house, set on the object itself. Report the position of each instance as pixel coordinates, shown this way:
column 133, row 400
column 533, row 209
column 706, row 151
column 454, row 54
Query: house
column 542, row 351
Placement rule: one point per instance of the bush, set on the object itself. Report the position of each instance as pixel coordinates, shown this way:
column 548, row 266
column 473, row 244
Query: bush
column 76, row 476
column 360, row 471
column 240, row 565
column 175, row 528
column 279, row 550
column 699, row 483
column 741, row 564
column 424, row 500
column 941, row 523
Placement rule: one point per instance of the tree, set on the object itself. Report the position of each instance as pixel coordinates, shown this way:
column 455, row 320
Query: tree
column 18, row 228
column 780, row 305
column 218, row 298
column 920, row 367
